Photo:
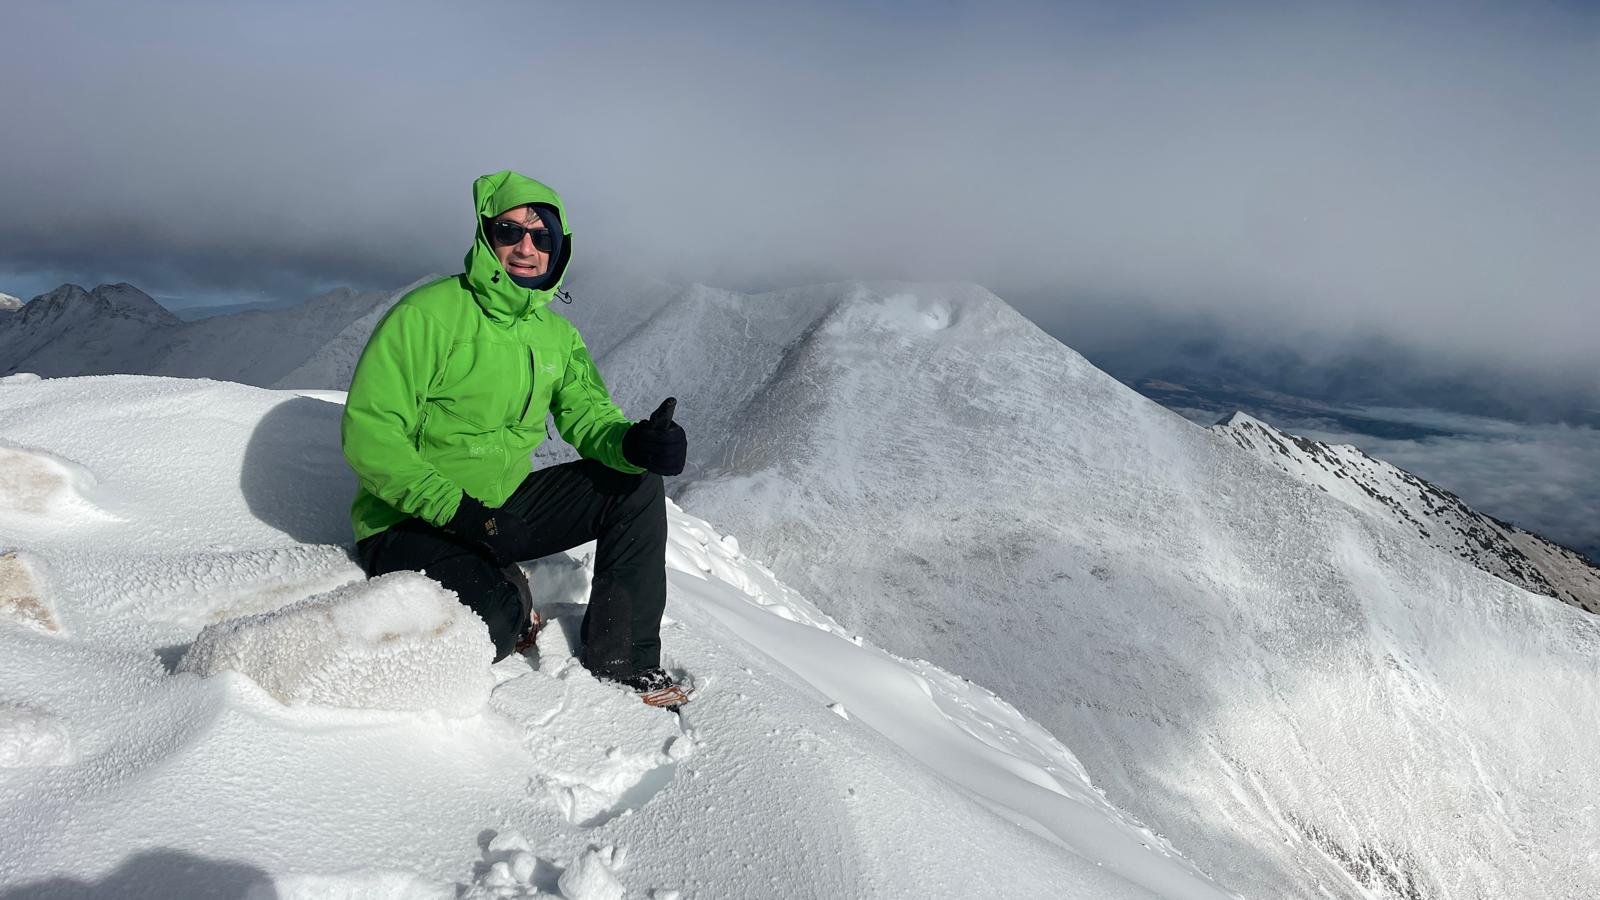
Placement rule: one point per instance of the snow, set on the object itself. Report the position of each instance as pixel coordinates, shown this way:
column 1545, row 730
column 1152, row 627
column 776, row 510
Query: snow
column 40, row 490
column 1261, row 687
column 32, row 737
column 1251, row 667
column 1439, row 517
column 230, row 709
column 399, row 641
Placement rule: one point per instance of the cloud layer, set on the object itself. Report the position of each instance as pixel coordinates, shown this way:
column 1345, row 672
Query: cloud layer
column 1426, row 172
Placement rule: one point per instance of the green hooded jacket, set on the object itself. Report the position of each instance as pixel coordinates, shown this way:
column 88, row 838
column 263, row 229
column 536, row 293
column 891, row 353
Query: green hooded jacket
column 452, row 390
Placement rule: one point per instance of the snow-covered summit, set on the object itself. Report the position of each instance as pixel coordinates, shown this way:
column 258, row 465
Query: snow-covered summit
column 1237, row 657
column 1439, row 517
column 201, row 696
column 9, row 303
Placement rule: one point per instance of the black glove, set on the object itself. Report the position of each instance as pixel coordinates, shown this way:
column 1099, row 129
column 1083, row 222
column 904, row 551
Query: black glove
column 503, row 534
column 657, row 444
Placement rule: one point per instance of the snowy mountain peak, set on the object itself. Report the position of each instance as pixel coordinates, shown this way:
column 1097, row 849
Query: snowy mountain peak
column 120, row 301
column 9, row 303
column 1439, row 517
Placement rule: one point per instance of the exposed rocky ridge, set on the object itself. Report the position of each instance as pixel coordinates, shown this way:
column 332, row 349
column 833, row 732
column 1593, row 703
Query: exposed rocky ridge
column 1439, row 517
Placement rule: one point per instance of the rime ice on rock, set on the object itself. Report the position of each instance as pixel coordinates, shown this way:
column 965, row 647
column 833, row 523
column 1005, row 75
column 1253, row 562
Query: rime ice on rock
column 590, row 875
column 21, row 599
column 40, row 489
column 399, row 641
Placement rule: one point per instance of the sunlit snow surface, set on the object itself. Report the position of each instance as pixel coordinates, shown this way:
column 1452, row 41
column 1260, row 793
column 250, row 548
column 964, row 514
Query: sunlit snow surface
column 1307, row 700
column 139, row 513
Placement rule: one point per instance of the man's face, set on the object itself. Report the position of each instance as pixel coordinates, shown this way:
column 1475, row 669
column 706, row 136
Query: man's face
column 522, row 259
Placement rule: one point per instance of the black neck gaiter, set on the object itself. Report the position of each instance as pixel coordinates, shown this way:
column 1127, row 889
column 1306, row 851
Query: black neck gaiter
column 552, row 221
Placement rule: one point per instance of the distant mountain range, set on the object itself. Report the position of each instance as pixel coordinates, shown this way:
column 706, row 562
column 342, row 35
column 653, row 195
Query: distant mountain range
column 119, row 329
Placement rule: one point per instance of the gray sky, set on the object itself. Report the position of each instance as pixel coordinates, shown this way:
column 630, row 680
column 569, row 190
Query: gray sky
column 1427, row 171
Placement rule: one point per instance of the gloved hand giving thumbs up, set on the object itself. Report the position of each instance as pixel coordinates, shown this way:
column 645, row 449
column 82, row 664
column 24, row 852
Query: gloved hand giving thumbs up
column 657, row 443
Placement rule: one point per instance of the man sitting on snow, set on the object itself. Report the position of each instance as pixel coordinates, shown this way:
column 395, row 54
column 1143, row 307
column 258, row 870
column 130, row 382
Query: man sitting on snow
column 447, row 404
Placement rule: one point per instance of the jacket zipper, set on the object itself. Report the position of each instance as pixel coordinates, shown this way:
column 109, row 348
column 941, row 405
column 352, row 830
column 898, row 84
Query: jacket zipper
column 533, row 377
column 422, row 423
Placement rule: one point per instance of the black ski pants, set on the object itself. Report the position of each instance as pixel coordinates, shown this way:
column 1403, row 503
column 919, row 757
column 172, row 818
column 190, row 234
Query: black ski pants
column 565, row 505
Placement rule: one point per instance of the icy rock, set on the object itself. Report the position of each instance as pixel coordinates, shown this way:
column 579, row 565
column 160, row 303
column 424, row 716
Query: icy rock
column 589, row 876
column 38, row 484
column 21, row 600
column 523, row 865
column 32, row 737
column 398, row 641
column 499, row 876
column 502, row 845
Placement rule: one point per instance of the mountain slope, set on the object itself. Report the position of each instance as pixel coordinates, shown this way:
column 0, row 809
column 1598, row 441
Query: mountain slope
column 260, row 347
column 1439, row 517
column 809, row 763
column 1236, row 657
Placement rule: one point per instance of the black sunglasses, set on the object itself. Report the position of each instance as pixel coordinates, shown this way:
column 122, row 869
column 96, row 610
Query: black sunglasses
column 509, row 234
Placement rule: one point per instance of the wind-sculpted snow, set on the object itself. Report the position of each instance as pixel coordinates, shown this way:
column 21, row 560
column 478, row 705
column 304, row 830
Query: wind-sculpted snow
column 40, row 490
column 396, row 642
column 32, row 737
column 789, row 774
column 1311, row 701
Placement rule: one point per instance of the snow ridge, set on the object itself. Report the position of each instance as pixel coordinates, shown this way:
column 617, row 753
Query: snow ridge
column 960, row 487
column 1439, row 517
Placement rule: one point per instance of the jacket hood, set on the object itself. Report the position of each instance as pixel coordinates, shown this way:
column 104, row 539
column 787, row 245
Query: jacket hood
column 502, row 299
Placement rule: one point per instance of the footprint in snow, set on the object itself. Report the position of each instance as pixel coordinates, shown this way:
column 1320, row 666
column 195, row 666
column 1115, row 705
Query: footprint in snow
column 598, row 752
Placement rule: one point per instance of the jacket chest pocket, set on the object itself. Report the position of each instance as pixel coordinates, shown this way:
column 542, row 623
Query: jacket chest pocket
column 545, row 368
column 485, row 385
